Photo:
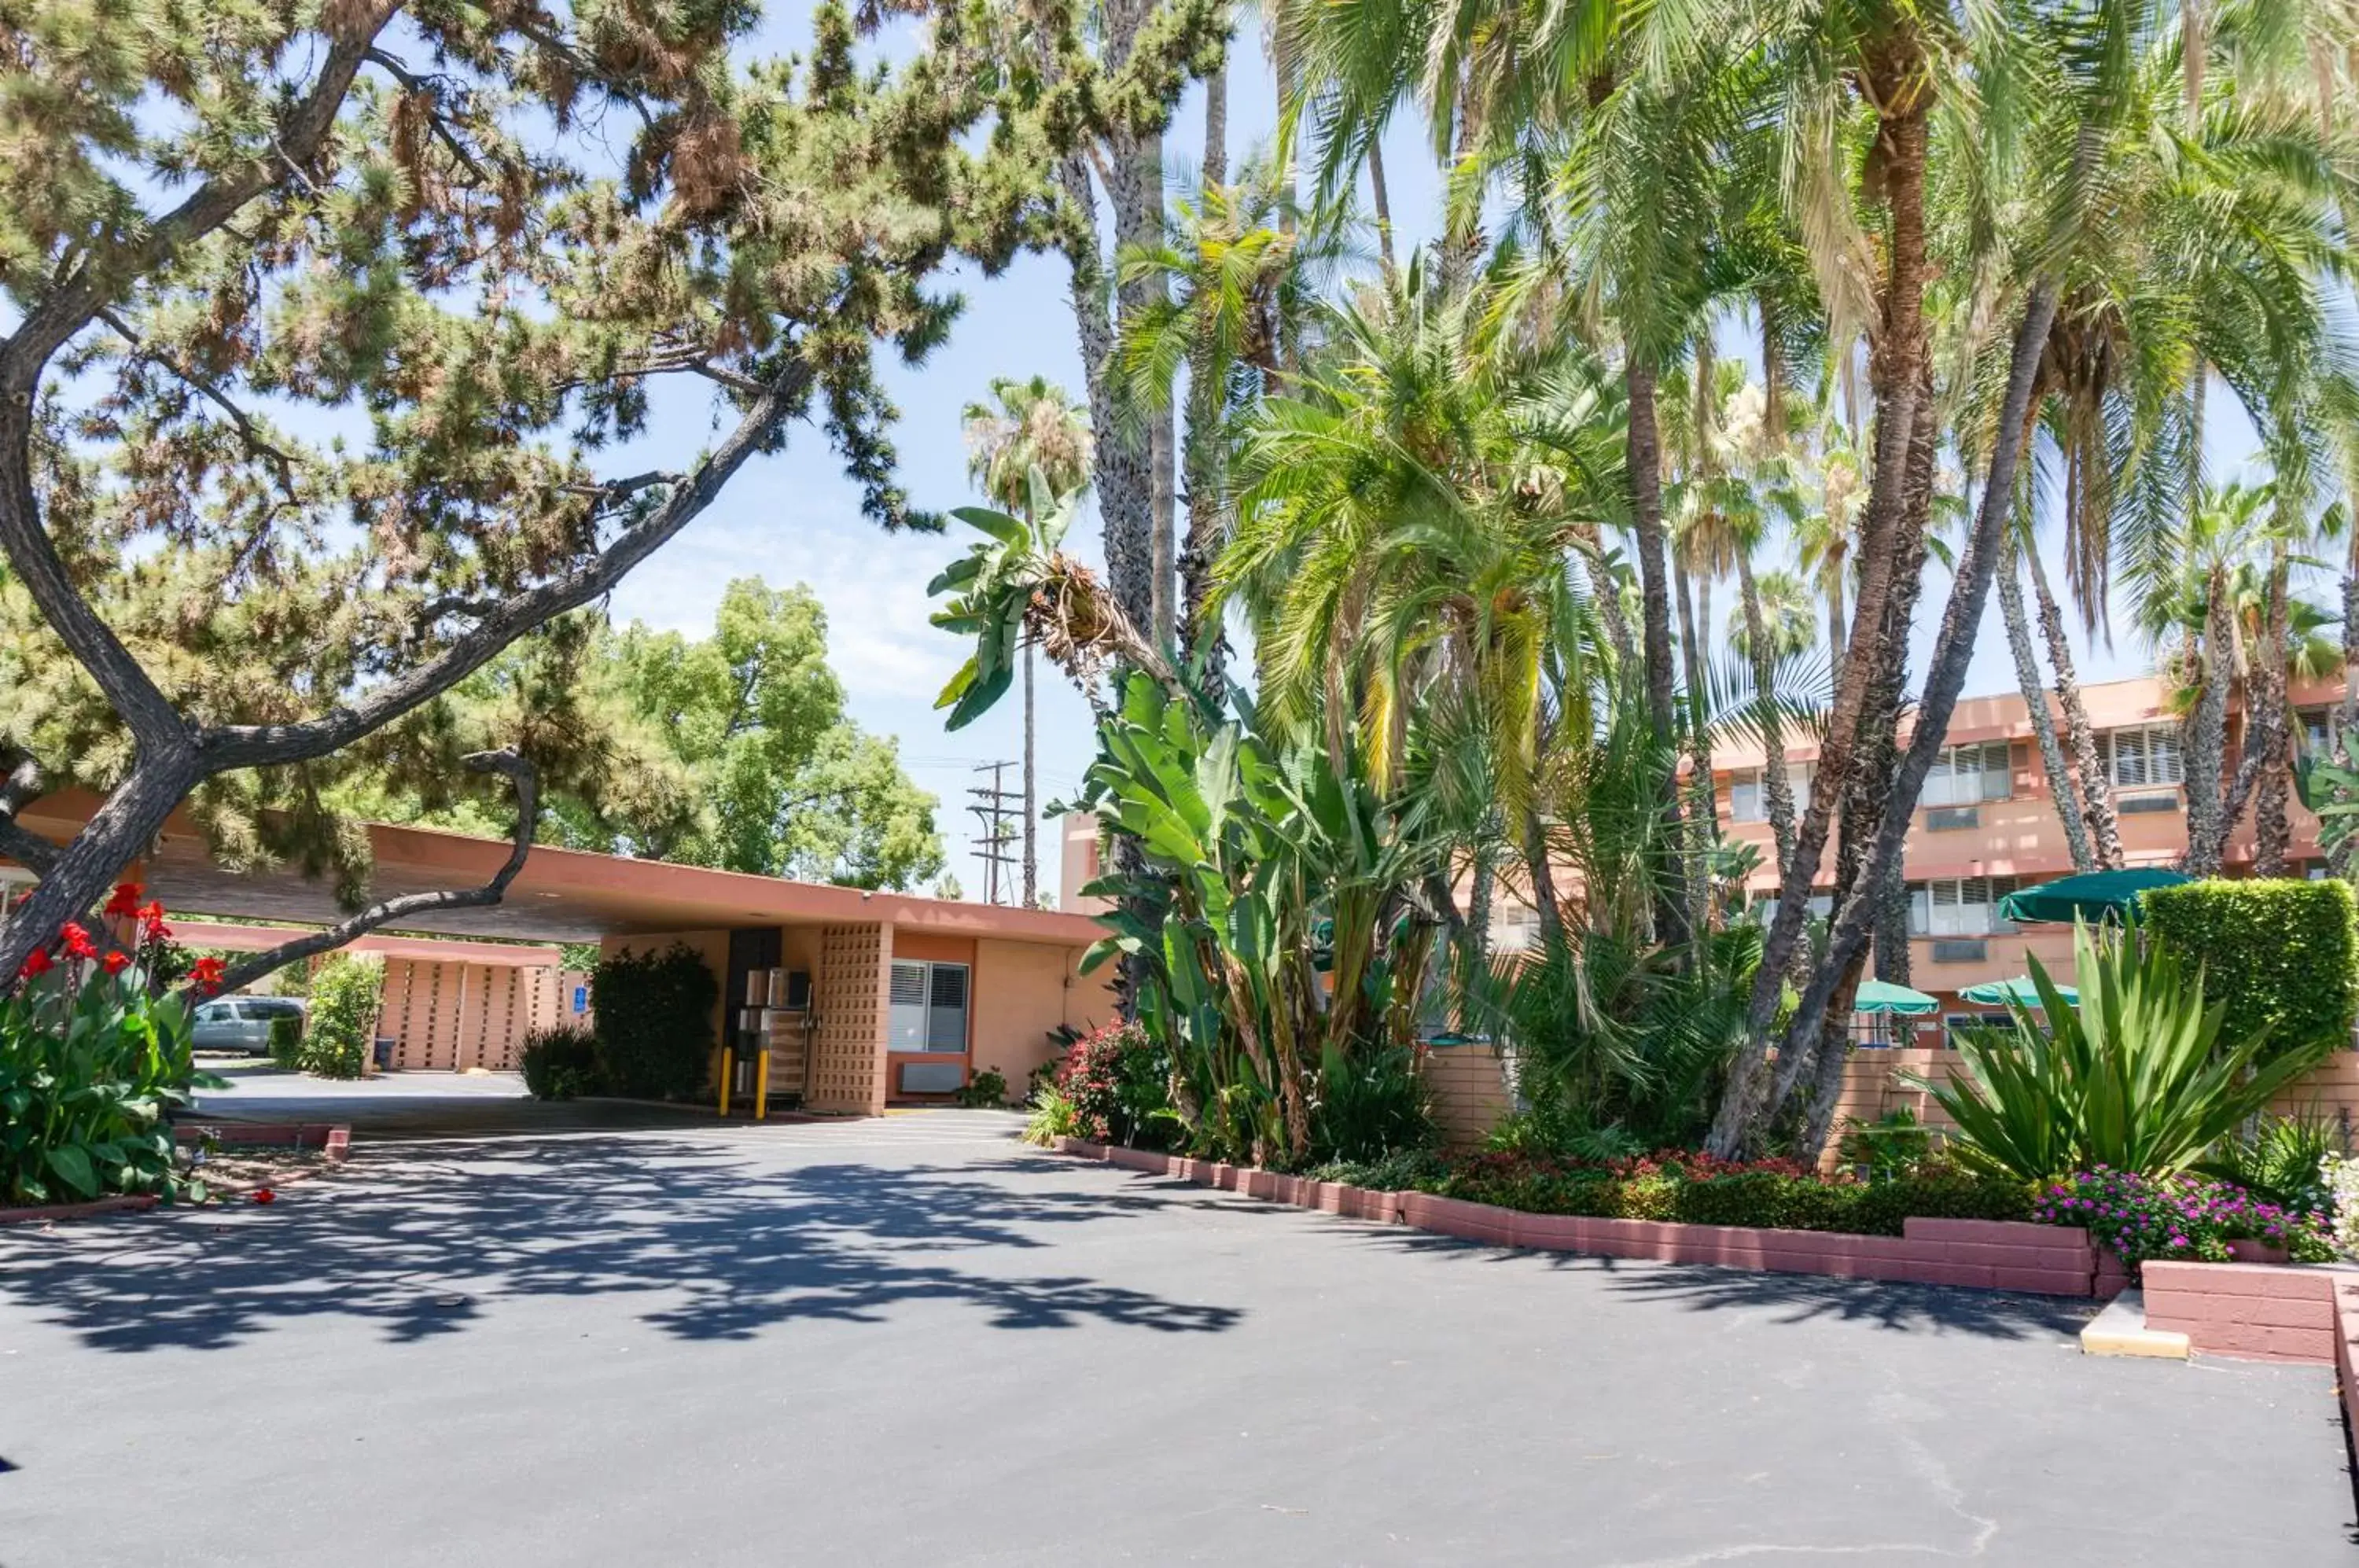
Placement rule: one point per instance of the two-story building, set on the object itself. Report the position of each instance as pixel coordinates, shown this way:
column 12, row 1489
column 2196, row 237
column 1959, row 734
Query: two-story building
column 1987, row 823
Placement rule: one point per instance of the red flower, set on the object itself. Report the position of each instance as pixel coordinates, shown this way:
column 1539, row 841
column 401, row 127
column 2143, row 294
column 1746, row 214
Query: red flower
column 36, row 962
column 205, row 974
column 116, row 963
column 75, row 942
column 264, row 1195
column 125, row 903
column 151, row 921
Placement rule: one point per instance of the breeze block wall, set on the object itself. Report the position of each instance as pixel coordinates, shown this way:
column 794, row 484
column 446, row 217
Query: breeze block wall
column 850, row 995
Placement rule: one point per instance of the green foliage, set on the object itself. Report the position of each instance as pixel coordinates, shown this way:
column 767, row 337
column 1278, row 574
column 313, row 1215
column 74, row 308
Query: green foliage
column 652, row 1014
column 1892, row 1145
column 1371, row 1105
column 346, row 996
column 1267, row 926
column 560, row 1062
column 286, row 1042
column 2137, row 1077
column 2281, row 1160
column 1115, row 1081
column 91, row 1067
column 2280, row 955
column 987, row 1090
column 1053, row 1116
column 1692, row 1190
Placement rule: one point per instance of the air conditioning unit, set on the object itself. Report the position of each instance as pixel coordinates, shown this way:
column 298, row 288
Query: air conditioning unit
column 932, row 1077
column 1944, row 818
column 1960, row 950
column 2138, row 805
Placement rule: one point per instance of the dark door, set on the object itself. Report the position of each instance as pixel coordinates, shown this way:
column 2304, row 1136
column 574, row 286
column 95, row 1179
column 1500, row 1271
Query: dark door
column 752, row 949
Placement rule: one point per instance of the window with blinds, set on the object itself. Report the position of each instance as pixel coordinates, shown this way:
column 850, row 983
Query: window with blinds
column 928, row 1006
column 1958, row 906
column 1967, row 775
column 1748, row 801
column 2145, row 756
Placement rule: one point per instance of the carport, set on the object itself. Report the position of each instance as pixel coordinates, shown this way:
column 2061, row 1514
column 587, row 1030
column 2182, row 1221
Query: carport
column 864, row 997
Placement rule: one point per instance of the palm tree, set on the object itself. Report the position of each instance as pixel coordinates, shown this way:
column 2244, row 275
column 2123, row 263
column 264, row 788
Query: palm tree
column 1236, row 271
column 2062, row 787
column 1028, row 427
column 1787, row 610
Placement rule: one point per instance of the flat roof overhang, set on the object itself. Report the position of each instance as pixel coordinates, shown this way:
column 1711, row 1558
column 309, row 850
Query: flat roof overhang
column 561, row 895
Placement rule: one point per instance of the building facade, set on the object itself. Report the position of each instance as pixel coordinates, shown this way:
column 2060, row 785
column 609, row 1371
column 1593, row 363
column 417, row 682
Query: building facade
column 1987, row 824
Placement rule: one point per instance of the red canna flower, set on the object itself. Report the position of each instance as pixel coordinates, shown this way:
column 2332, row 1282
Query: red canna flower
column 205, row 974
column 116, row 963
column 151, row 921
column 125, row 903
column 75, row 942
column 264, row 1195
column 36, row 962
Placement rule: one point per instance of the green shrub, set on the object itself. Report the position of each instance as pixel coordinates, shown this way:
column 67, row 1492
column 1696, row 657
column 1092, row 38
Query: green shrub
column 2279, row 956
column 560, row 1062
column 1691, row 1189
column 653, row 1020
column 2282, row 1160
column 346, row 995
column 2137, row 1076
column 984, row 1090
column 1370, row 1104
column 1053, row 1116
column 1119, row 1085
column 1892, row 1145
column 287, row 1040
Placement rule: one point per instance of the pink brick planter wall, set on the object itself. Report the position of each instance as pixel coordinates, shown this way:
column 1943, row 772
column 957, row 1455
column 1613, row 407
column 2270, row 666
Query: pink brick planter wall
column 2262, row 1312
column 125, row 1204
column 2346, row 1347
column 333, row 1138
column 1991, row 1255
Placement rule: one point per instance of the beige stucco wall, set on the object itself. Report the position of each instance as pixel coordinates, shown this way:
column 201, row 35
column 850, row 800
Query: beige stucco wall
column 1022, row 991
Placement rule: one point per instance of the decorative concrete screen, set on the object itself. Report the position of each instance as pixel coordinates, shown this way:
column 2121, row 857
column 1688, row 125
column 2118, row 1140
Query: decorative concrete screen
column 451, row 1016
column 847, row 1070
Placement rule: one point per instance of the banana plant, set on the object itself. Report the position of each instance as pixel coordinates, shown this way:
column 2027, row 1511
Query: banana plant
column 1260, row 853
column 1017, row 582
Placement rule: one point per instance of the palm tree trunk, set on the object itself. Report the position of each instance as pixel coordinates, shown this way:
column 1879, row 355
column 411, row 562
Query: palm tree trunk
column 1646, row 465
column 1777, row 791
column 2060, row 786
column 1216, row 125
column 1698, row 840
column 2272, row 832
column 1953, row 650
column 1031, row 797
column 2207, row 735
column 1837, row 619
column 1607, row 595
column 1381, row 195
column 1898, row 370
column 2096, row 785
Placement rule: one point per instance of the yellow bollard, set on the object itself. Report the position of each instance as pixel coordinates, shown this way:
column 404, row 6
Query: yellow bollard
column 761, row 1086
column 728, row 1070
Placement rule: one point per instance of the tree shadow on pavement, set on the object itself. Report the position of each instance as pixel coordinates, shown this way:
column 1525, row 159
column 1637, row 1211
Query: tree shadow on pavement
column 1795, row 1298
column 424, row 1240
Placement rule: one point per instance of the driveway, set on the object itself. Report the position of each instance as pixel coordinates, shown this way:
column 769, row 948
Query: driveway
column 912, row 1342
column 415, row 1105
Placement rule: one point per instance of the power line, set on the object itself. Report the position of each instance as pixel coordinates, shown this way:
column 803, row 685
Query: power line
column 996, row 809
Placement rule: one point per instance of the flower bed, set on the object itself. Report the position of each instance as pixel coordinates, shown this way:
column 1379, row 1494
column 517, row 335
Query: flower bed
column 2179, row 1218
column 1989, row 1253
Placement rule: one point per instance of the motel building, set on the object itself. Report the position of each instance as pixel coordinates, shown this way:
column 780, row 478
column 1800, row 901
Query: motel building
column 862, row 999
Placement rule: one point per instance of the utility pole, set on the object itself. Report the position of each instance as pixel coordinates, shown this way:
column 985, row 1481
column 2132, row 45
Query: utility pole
column 993, row 807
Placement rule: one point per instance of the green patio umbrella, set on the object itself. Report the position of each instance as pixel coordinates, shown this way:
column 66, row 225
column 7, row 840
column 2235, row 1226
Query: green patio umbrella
column 1999, row 993
column 2093, row 896
column 1884, row 997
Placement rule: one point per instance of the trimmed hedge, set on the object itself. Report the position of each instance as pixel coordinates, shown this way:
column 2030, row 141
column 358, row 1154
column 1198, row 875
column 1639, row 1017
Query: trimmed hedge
column 1694, row 1189
column 346, row 996
column 652, row 1015
column 2279, row 954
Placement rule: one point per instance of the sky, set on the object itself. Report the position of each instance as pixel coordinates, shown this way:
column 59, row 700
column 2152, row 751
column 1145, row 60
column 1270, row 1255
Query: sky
column 793, row 518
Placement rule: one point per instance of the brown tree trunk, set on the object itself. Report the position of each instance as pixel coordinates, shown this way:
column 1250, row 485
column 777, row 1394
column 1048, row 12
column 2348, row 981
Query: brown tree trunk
column 1645, row 461
column 1777, row 791
column 2206, row 762
column 1381, row 195
column 2062, row 787
column 2272, row 830
column 1897, row 369
column 1945, row 677
column 2096, row 786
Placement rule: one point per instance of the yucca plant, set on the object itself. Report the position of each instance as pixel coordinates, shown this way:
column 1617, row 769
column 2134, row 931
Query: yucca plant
column 2133, row 1078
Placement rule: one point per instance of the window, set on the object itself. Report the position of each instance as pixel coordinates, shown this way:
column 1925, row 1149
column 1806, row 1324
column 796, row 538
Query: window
column 2319, row 732
column 1749, row 802
column 2147, row 755
column 1514, row 927
column 1963, row 775
column 1958, row 905
column 1953, row 1023
column 928, row 1006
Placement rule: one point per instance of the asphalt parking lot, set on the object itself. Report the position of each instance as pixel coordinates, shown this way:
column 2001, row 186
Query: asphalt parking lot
column 915, row 1341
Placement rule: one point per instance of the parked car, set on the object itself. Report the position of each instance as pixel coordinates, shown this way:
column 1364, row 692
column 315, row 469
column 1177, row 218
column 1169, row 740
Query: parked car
column 241, row 1023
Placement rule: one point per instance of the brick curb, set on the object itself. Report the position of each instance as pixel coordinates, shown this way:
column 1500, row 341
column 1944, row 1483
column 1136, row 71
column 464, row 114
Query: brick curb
column 1988, row 1254
column 333, row 1138
column 124, row 1204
